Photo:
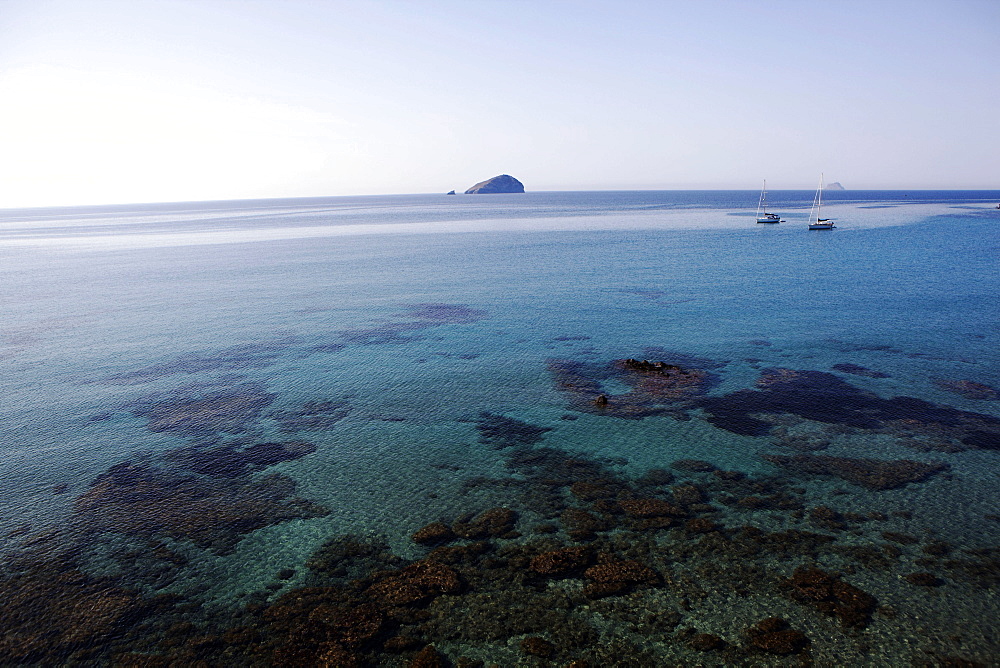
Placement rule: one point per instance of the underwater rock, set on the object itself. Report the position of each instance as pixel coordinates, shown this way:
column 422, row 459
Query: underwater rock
column 698, row 525
column 228, row 461
column 416, row 584
column 924, row 579
column 622, row 572
column 852, row 606
column 496, row 522
column 937, row 548
column 825, row 517
column 858, row 370
column 52, row 614
column 433, row 534
column 656, row 387
column 212, row 512
column 901, row 538
column 562, row 562
column 535, row 646
column 321, row 626
column 235, row 358
column 773, row 635
column 646, row 508
column 582, row 525
column 592, row 490
column 231, row 411
column 693, row 466
column 705, row 642
column 351, row 558
column 504, row 432
column 824, row 397
column 655, row 477
column 428, row 657
column 686, row 495
column 875, row 474
column 312, row 416
column 969, row 389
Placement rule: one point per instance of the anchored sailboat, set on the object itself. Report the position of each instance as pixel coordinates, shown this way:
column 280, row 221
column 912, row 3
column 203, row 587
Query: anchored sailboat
column 762, row 215
column 815, row 222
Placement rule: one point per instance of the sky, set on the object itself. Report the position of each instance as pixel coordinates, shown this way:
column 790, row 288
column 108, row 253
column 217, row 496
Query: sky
column 163, row 100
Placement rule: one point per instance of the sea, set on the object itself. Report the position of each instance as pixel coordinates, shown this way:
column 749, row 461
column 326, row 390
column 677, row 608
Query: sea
column 626, row 428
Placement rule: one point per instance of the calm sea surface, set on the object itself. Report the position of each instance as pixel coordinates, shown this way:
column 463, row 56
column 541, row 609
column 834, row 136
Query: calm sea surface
column 223, row 424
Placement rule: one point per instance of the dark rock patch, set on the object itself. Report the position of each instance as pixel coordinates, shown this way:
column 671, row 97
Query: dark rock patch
column 858, row 370
column 231, row 411
column 774, row 636
column 969, row 389
column 231, row 462
column 823, row 397
column 504, row 432
column 211, row 512
column 873, row 474
column 828, row 593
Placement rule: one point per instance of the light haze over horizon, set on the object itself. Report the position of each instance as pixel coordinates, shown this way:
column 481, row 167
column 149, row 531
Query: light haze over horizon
column 106, row 102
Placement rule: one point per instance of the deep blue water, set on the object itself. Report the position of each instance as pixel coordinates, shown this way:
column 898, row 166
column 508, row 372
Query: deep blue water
column 383, row 341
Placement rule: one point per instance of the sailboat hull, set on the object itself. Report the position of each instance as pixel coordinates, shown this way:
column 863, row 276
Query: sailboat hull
column 821, row 226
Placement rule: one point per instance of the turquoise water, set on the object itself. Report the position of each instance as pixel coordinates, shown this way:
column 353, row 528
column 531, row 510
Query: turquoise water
column 150, row 351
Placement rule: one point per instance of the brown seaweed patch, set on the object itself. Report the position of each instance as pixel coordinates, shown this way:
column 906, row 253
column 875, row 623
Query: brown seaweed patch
column 235, row 358
column 495, row 522
column 322, row 626
column 437, row 312
column 212, row 512
column 228, row 461
column 418, row 317
column 231, row 411
column 312, row 416
column 774, row 636
column 823, row 397
column 348, row 557
column 969, row 389
column 54, row 616
column 869, row 473
column 504, row 432
column 858, row 370
column 416, row 584
column 828, row 593
column 562, row 562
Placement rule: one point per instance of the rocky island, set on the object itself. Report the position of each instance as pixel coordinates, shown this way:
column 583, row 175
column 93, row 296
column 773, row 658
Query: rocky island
column 498, row 184
column 834, row 186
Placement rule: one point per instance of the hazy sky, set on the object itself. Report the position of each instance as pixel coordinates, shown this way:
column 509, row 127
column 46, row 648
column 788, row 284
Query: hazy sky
column 139, row 101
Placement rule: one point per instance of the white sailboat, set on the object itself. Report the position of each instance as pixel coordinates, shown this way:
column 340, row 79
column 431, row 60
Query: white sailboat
column 762, row 215
column 815, row 222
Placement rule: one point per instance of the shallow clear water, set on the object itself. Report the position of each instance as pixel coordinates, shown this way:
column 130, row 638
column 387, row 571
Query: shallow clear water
column 135, row 333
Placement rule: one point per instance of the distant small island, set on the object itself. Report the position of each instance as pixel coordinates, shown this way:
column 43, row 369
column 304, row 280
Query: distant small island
column 834, row 186
column 498, row 184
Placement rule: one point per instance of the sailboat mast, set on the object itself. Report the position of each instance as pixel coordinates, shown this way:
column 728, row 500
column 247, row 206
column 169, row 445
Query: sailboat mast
column 762, row 204
column 819, row 198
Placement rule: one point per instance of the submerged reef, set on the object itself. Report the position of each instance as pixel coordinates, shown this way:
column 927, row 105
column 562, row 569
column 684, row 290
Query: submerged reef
column 230, row 410
column 969, row 389
column 656, row 388
column 212, row 512
column 869, row 473
column 823, row 397
column 556, row 558
column 664, row 568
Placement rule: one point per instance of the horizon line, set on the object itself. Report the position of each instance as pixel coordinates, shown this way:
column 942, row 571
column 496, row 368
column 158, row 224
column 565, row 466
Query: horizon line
column 413, row 194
